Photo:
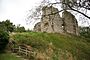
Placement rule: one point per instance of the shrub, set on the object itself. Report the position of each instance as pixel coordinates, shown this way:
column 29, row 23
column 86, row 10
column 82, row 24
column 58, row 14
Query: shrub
column 4, row 39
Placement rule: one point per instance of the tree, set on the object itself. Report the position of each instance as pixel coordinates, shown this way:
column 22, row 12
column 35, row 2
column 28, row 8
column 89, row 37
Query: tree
column 79, row 6
column 4, row 39
column 7, row 26
column 20, row 29
column 85, row 32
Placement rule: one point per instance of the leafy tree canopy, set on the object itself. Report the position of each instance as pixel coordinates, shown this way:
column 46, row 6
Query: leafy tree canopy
column 7, row 26
column 81, row 7
column 4, row 39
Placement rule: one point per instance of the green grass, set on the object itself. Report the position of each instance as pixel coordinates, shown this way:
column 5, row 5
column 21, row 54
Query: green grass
column 77, row 46
column 9, row 56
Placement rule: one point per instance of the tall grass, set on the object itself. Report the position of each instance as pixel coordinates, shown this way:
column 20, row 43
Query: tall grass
column 9, row 56
column 77, row 46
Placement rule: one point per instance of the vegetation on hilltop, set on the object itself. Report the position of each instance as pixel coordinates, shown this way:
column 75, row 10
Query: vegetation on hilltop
column 85, row 32
column 10, row 27
column 62, row 46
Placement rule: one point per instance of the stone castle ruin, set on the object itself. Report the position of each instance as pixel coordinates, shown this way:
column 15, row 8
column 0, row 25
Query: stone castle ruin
column 51, row 22
column 37, row 27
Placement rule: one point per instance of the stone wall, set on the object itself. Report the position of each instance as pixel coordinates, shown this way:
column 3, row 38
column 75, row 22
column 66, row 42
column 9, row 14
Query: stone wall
column 71, row 24
column 37, row 27
column 51, row 22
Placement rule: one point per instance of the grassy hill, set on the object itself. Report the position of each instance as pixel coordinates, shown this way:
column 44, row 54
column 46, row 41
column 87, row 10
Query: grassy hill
column 9, row 56
column 55, row 46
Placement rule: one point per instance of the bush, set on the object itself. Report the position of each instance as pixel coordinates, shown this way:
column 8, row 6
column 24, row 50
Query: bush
column 4, row 39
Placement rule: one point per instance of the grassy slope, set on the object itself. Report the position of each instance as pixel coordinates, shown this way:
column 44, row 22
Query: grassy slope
column 9, row 56
column 78, row 46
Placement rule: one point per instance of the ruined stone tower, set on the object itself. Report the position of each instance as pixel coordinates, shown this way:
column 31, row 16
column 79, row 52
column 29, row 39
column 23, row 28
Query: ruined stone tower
column 70, row 23
column 51, row 22
column 37, row 27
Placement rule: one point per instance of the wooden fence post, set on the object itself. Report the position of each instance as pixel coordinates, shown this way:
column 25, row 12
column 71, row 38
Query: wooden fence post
column 19, row 50
column 26, row 52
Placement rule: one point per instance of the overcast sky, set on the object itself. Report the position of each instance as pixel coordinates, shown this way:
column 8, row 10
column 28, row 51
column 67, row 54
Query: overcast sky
column 16, row 10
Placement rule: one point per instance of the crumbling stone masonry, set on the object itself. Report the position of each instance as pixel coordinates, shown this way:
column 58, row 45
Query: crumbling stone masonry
column 37, row 27
column 51, row 22
column 71, row 24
